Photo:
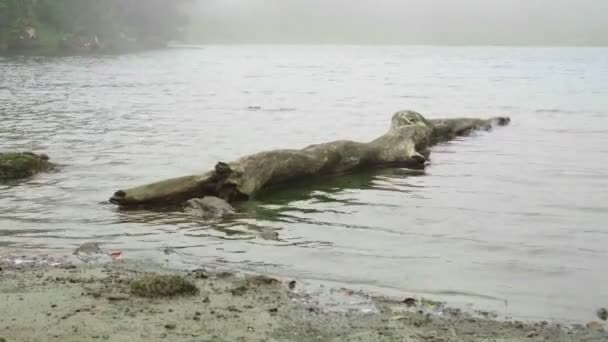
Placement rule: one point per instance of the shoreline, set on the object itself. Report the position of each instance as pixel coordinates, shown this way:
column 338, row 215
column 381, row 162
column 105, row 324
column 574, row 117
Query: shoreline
column 62, row 301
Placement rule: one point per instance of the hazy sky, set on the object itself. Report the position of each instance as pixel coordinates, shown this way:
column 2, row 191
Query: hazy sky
column 499, row 22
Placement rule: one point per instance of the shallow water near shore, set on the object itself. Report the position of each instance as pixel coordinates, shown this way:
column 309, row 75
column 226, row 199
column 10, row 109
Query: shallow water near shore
column 511, row 220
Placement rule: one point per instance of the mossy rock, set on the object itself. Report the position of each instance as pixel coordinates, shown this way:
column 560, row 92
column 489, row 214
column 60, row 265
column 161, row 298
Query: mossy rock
column 155, row 286
column 18, row 165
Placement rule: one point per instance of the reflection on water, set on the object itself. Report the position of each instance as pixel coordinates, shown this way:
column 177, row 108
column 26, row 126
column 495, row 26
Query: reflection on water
column 512, row 219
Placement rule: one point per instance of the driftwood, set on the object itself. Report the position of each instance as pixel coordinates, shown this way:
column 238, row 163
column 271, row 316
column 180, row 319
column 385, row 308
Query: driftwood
column 406, row 144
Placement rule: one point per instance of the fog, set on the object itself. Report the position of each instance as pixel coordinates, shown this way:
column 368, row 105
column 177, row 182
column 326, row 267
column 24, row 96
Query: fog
column 463, row 22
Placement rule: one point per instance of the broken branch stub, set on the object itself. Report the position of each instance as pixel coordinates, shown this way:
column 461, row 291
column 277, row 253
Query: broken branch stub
column 406, row 144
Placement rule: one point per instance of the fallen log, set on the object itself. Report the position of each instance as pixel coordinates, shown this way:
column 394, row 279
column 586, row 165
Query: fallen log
column 406, row 144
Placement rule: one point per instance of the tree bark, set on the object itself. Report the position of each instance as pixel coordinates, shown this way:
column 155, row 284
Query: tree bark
column 406, row 144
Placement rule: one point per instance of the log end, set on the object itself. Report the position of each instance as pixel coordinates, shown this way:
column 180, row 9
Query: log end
column 119, row 198
column 502, row 120
column 418, row 158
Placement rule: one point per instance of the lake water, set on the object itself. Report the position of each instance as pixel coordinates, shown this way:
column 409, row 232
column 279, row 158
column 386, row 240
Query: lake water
column 515, row 220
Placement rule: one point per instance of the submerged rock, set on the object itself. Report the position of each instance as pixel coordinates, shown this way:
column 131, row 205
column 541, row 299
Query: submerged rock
column 91, row 252
column 19, row 165
column 154, row 286
column 209, row 207
column 88, row 248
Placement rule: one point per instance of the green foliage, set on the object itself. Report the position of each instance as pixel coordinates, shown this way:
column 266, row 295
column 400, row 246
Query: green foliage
column 139, row 19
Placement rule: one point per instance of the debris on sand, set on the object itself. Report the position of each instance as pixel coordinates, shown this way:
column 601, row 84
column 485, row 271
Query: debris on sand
column 154, row 286
column 253, row 282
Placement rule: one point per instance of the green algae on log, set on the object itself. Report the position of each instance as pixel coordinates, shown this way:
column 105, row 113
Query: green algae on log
column 19, row 165
column 406, row 144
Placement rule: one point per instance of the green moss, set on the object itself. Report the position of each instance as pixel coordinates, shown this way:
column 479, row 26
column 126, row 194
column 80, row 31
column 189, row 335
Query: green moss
column 22, row 165
column 155, row 286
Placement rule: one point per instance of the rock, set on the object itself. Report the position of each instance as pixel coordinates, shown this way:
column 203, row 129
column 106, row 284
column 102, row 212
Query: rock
column 199, row 274
column 531, row 334
column 209, row 207
column 269, row 234
column 291, row 284
column 154, row 286
column 91, row 252
column 239, row 290
column 88, row 248
column 19, row 165
column 602, row 313
column 30, row 33
column 170, row 326
column 409, row 302
column 595, row 326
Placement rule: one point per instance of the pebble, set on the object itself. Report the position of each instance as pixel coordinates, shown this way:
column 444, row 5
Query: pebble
column 170, row 326
column 233, row 309
column 531, row 334
column 199, row 274
column 117, row 296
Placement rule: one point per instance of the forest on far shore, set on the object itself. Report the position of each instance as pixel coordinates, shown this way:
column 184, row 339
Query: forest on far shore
column 84, row 25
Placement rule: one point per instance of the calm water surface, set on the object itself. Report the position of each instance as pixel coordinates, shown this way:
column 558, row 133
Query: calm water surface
column 514, row 220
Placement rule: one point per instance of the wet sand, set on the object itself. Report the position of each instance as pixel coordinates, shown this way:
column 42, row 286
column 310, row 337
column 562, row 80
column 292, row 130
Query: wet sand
column 89, row 302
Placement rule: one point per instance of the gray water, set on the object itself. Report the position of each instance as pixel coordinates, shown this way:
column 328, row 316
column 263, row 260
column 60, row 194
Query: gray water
column 513, row 220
